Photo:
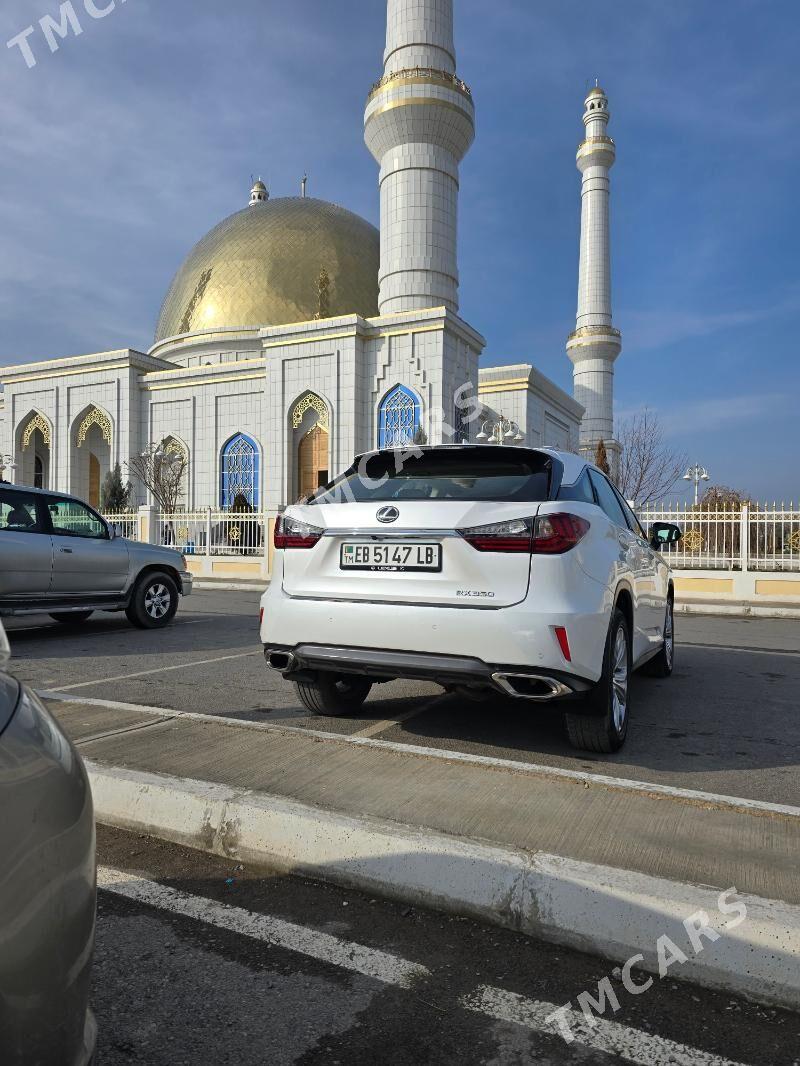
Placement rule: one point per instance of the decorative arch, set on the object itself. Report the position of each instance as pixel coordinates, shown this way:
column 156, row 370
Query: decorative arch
column 94, row 417
column 310, row 401
column 240, row 471
column 399, row 417
column 37, row 421
column 91, row 455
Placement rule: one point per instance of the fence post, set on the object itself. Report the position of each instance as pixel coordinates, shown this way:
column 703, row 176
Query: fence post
column 744, row 538
column 208, row 532
column 148, row 525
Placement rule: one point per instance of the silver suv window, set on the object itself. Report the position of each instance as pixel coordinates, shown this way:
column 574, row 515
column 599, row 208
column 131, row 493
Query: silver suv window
column 18, row 512
column 607, row 499
column 71, row 519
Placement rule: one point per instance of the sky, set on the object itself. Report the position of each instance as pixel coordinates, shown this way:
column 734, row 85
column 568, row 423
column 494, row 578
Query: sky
column 123, row 148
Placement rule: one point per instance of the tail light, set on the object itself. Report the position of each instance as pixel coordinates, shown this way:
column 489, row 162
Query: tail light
column 513, row 536
column 551, row 534
column 292, row 533
column 558, row 533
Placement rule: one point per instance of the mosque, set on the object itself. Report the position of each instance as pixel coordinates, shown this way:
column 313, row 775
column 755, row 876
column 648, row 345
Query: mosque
column 295, row 335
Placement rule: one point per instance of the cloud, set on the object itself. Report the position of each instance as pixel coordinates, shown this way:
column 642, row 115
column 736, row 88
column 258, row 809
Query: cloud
column 716, row 413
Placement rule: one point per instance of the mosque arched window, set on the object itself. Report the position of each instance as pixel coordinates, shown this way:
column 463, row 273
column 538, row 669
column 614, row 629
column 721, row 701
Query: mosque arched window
column 398, row 418
column 239, row 472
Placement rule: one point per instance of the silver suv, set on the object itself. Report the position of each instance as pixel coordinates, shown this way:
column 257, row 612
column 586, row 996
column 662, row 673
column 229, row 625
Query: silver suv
column 59, row 556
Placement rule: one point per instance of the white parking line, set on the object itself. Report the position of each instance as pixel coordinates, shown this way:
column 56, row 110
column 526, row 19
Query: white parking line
column 345, row 954
column 609, row 1037
column 625, row 784
column 158, row 670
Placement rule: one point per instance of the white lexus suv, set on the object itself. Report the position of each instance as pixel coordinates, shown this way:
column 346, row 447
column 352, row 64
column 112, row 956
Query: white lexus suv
column 488, row 569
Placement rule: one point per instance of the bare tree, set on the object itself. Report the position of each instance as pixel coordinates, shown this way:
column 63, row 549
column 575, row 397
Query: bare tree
column 161, row 469
column 648, row 468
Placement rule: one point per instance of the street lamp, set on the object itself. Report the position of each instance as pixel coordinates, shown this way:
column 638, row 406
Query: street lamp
column 6, row 463
column 696, row 474
column 496, row 432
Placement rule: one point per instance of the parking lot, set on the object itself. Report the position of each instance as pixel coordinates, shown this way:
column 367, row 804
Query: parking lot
column 727, row 722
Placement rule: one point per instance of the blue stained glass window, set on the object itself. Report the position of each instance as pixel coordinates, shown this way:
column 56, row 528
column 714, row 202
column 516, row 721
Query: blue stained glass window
column 239, row 475
column 399, row 418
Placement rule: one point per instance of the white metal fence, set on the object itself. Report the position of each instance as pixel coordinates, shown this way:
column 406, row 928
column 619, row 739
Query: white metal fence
column 756, row 537
column 126, row 523
column 214, row 532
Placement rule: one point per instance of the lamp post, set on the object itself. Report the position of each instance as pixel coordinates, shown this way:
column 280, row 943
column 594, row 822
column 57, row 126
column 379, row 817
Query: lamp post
column 499, row 431
column 696, row 474
column 6, row 463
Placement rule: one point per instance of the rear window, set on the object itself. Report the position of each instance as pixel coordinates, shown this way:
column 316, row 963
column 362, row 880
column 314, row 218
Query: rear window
column 481, row 473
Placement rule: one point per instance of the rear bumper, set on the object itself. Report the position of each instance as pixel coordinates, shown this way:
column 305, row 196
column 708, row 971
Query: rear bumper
column 448, row 670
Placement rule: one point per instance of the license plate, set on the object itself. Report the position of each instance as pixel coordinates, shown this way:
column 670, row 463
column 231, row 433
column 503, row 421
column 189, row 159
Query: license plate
column 391, row 555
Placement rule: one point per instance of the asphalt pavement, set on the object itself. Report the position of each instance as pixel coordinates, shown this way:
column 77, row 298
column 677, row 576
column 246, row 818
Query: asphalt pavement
column 727, row 722
column 200, row 960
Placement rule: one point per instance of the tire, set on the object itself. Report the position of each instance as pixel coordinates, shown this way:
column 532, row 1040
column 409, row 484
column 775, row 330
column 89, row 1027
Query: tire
column 604, row 725
column 68, row 617
column 662, row 664
column 154, row 601
column 333, row 695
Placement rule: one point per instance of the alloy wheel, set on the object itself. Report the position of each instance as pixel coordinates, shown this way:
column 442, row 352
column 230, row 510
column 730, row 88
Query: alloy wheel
column 157, row 601
column 619, row 680
column 669, row 636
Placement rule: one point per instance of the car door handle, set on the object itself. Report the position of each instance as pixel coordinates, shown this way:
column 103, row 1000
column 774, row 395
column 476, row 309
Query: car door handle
column 65, row 551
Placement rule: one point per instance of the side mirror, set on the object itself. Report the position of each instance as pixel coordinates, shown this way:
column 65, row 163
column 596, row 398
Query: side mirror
column 664, row 535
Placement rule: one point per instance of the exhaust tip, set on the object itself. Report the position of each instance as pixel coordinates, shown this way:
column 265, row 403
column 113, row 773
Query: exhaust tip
column 531, row 686
column 282, row 661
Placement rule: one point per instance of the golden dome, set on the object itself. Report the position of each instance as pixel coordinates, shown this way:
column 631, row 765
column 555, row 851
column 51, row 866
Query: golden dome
column 278, row 261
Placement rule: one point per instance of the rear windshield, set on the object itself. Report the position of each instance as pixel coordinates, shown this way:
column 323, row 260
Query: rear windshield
column 481, row 473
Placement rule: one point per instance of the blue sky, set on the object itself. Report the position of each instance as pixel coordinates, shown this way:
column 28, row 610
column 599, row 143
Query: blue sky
column 127, row 145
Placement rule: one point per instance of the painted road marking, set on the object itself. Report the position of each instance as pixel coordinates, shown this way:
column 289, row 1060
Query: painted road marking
column 387, row 723
column 345, row 954
column 57, row 627
column 609, row 1037
column 738, row 648
column 584, row 777
column 158, row 670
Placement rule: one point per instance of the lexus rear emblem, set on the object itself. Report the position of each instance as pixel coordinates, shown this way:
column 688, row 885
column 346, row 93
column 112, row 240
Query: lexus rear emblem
column 388, row 514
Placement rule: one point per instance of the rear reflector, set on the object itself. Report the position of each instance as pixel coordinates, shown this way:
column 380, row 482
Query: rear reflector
column 551, row 534
column 291, row 533
column 261, row 617
column 563, row 642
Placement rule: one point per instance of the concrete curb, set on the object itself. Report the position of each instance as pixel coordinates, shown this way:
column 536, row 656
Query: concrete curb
column 606, row 911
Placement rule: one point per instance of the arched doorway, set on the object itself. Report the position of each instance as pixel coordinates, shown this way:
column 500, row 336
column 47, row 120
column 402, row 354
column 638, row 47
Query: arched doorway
column 310, row 422
column 91, row 455
column 312, row 460
column 33, row 451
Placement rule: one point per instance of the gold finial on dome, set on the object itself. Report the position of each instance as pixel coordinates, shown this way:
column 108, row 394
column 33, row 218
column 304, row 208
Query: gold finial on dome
column 259, row 194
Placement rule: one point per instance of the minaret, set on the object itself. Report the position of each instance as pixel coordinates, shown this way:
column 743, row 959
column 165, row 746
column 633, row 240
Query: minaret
column 419, row 124
column 595, row 344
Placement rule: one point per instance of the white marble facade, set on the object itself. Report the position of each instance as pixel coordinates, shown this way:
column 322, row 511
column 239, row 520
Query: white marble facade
column 268, row 411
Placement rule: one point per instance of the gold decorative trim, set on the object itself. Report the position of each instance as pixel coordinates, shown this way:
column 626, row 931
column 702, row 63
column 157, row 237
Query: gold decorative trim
column 66, row 373
column 596, row 140
column 203, row 382
column 95, row 418
column 37, row 422
column 417, row 76
column 594, row 331
column 311, row 402
column 415, row 101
